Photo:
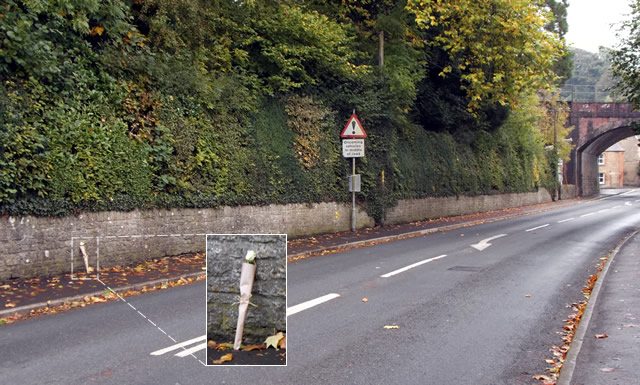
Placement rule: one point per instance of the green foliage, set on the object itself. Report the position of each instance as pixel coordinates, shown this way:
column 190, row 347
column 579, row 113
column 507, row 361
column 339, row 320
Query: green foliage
column 114, row 105
column 498, row 49
column 625, row 61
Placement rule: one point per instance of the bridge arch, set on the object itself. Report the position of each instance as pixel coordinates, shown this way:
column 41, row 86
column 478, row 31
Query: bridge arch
column 597, row 126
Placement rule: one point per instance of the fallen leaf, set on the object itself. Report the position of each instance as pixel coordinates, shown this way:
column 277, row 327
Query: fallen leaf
column 6, row 287
column 211, row 343
column 249, row 348
column 607, row 369
column 10, row 305
column 392, row 327
column 273, row 340
column 365, row 300
column 283, row 343
column 225, row 358
column 601, row 336
column 549, row 361
column 528, row 296
column 541, row 377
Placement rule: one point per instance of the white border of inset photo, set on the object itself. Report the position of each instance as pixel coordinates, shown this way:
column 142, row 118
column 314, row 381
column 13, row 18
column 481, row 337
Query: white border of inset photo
column 231, row 364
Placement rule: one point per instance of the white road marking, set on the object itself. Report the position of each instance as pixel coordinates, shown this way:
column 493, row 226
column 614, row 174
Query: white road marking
column 188, row 352
column 412, row 266
column 566, row 220
column 483, row 244
column 602, row 211
column 536, row 228
column 311, row 303
column 178, row 346
column 628, row 203
column 616, row 207
column 586, row 215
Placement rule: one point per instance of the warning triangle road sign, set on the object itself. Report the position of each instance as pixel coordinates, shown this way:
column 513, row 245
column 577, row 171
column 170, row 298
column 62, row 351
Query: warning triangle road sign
column 353, row 129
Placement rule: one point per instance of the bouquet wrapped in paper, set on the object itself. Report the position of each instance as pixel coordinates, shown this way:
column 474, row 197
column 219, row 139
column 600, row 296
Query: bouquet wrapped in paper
column 247, row 275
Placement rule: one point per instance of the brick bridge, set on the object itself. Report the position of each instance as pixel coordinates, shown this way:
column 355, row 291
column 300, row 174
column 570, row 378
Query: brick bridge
column 597, row 126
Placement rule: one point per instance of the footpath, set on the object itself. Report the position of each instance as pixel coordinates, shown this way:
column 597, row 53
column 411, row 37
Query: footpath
column 606, row 348
column 613, row 309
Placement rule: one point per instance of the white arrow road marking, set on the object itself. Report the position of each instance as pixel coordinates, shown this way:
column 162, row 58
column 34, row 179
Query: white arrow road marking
column 536, row 228
column 311, row 303
column 483, row 244
column 180, row 345
column 412, row 266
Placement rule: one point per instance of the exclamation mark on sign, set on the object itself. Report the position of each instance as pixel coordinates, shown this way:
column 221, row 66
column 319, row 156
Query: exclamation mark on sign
column 353, row 127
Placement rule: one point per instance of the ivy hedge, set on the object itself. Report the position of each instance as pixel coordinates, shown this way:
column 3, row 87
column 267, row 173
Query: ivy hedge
column 114, row 105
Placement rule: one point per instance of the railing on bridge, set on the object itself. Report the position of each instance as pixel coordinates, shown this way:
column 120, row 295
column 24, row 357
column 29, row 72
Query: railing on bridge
column 589, row 93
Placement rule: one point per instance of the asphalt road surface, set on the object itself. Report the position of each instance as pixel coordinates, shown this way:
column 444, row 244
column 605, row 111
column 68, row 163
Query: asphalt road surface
column 465, row 315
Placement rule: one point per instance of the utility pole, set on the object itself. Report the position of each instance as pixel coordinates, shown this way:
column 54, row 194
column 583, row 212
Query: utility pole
column 555, row 148
column 380, row 50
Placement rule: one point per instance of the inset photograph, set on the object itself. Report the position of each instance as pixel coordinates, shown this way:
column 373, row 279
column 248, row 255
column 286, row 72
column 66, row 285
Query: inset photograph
column 246, row 299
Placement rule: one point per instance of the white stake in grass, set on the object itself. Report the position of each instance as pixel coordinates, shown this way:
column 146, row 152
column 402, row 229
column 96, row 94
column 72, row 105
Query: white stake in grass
column 246, row 283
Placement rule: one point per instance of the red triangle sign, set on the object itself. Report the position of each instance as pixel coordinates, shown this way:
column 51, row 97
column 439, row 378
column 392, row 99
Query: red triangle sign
column 353, row 129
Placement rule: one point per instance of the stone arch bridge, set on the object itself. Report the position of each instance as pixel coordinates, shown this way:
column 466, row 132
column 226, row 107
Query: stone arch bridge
column 597, row 127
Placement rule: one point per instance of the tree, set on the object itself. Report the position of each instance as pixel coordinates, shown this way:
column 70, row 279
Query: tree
column 558, row 24
column 498, row 49
column 625, row 59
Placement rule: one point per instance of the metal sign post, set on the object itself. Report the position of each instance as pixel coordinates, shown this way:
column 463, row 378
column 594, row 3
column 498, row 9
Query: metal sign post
column 353, row 147
column 353, row 198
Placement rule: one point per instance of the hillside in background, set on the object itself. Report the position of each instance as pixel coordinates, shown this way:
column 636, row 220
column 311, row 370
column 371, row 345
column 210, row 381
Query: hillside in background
column 591, row 79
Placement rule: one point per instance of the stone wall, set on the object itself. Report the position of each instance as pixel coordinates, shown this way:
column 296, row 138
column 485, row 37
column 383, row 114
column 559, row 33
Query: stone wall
column 225, row 254
column 410, row 210
column 39, row 246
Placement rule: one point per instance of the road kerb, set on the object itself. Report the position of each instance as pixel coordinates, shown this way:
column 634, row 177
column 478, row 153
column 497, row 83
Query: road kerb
column 61, row 301
column 417, row 233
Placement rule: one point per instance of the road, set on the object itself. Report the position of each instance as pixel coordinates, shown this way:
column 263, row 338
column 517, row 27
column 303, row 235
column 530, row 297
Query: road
column 465, row 315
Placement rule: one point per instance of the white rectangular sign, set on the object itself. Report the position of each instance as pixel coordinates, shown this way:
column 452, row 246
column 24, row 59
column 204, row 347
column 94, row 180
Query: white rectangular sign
column 353, row 148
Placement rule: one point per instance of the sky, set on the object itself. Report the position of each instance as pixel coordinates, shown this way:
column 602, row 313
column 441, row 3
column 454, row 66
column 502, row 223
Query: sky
column 590, row 20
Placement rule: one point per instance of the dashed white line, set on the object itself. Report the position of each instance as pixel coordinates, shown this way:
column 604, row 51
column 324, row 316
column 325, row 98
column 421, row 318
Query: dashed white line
column 566, row 220
column 616, row 207
column 536, row 228
column 586, row 215
column 412, row 266
column 311, row 303
column 602, row 211
column 186, row 352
